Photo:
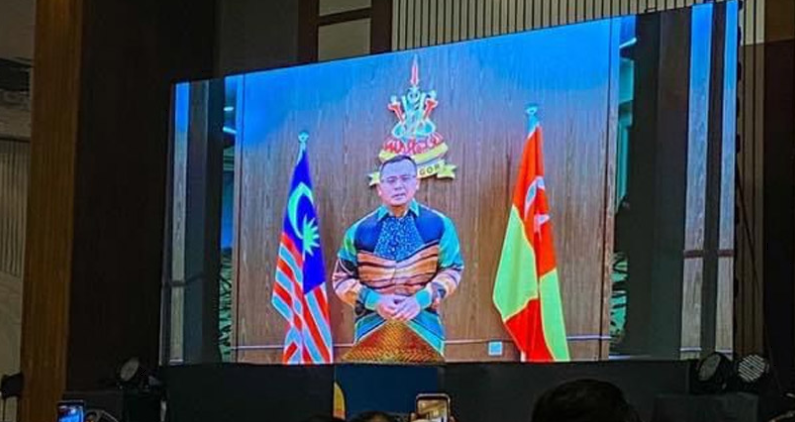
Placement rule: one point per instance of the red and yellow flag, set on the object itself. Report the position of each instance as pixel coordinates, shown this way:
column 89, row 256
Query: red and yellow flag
column 526, row 291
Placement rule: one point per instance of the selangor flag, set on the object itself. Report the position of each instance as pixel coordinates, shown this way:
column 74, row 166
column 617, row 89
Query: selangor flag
column 299, row 288
column 526, row 292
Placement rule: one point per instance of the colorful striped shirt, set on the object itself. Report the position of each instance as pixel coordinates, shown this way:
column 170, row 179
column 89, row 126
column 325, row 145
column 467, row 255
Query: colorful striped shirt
column 417, row 255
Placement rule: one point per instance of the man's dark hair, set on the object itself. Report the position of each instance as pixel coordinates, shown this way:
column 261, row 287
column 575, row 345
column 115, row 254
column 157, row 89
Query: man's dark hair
column 373, row 416
column 397, row 159
column 584, row 401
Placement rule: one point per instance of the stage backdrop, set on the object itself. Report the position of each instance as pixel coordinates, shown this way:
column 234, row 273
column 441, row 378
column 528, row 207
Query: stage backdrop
column 483, row 89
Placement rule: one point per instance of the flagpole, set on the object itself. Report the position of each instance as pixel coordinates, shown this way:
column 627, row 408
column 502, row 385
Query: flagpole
column 532, row 119
column 302, row 138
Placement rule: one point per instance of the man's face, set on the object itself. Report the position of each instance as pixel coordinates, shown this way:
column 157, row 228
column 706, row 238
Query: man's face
column 398, row 184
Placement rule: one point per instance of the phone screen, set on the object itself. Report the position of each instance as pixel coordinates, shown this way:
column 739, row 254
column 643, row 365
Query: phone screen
column 434, row 408
column 71, row 411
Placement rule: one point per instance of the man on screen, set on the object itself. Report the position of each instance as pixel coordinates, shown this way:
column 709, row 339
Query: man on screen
column 395, row 267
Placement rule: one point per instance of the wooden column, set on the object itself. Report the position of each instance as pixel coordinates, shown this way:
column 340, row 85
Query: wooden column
column 657, row 186
column 48, row 261
column 98, row 185
column 381, row 26
column 202, row 255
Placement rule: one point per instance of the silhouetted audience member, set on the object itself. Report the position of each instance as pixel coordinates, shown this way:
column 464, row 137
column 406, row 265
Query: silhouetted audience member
column 323, row 418
column 584, row 401
column 374, row 416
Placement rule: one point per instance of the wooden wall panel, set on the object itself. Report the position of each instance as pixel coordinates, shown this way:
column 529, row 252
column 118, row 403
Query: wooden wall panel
column 750, row 189
column 774, row 220
column 691, row 308
column 419, row 23
column 724, row 336
column 763, row 267
column 586, row 348
column 750, row 186
column 456, row 350
column 778, row 232
column 485, row 143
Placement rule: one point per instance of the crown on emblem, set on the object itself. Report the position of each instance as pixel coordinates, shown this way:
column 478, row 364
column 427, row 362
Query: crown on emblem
column 415, row 133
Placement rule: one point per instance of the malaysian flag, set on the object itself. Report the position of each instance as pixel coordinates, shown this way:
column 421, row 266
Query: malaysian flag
column 299, row 290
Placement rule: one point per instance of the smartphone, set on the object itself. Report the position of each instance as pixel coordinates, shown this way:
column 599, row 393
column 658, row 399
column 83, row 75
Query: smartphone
column 71, row 411
column 434, row 407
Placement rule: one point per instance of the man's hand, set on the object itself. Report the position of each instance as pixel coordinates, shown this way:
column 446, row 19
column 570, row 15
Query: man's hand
column 407, row 309
column 387, row 306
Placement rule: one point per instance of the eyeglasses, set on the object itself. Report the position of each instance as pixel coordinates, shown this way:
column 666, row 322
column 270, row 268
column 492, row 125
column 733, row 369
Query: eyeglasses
column 403, row 179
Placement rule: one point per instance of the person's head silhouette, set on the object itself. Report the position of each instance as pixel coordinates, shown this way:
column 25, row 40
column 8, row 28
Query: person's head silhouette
column 584, row 401
column 373, row 417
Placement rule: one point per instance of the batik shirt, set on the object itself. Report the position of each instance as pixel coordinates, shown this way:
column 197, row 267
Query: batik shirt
column 417, row 254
